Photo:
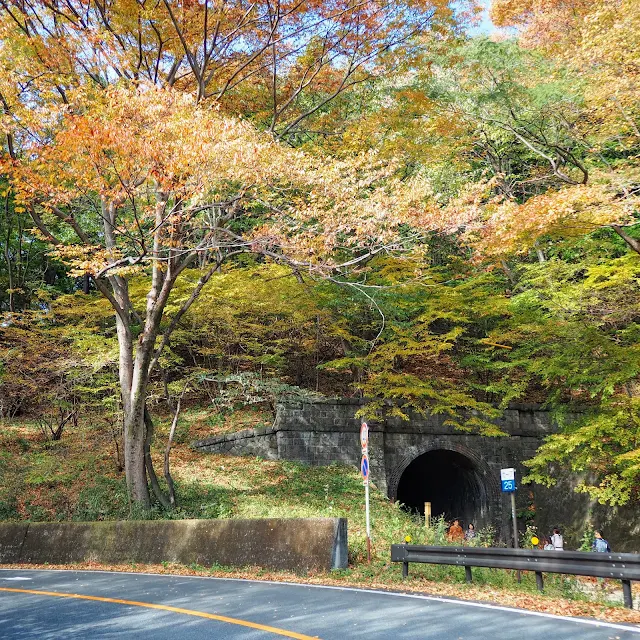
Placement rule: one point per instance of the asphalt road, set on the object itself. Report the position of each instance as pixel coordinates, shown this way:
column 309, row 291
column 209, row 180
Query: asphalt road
column 137, row 606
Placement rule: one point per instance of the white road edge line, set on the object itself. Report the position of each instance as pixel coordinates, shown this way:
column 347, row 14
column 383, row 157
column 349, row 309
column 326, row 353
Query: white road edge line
column 415, row 596
column 16, row 578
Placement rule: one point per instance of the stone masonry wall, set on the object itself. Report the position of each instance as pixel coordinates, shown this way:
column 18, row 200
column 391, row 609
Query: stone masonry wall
column 325, row 432
column 258, row 442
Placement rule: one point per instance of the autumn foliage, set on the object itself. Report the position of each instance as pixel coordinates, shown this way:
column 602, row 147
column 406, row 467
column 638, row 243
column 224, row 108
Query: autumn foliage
column 457, row 216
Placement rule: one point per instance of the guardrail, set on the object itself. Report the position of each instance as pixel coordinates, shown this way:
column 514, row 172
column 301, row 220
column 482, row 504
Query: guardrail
column 618, row 566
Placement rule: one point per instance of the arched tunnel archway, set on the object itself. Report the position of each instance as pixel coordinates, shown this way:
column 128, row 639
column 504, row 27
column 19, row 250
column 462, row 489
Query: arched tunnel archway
column 453, row 484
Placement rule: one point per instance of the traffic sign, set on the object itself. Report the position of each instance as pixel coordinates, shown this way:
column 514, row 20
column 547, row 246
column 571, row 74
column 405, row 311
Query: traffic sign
column 508, row 486
column 364, row 435
column 364, row 467
column 508, row 480
column 508, row 474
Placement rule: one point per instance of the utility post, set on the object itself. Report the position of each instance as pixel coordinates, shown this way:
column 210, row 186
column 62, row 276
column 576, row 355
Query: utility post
column 364, row 470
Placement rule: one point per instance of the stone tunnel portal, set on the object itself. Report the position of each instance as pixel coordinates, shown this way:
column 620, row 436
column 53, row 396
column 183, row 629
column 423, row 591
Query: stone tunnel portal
column 451, row 482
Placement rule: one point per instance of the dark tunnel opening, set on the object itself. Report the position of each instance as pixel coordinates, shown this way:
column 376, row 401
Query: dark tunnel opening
column 451, row 482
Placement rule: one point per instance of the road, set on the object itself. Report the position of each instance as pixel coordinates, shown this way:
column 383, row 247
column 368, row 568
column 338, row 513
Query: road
column 81, row 604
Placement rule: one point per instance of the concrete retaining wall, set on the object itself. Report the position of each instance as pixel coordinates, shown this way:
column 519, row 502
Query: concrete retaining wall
column 12, row 537
column 293, row 545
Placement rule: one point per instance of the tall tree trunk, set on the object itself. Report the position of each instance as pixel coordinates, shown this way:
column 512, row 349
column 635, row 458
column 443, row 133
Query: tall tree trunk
column 134, row 456
column 148, row 461
column 133, row 391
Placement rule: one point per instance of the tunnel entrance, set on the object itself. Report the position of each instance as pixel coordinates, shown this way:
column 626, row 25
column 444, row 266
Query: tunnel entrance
column 451, row 482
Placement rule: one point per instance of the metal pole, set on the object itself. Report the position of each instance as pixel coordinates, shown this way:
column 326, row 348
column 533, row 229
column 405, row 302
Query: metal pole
column 628, row 596
column 366, row 498
column 515, row 520
column 515, row 528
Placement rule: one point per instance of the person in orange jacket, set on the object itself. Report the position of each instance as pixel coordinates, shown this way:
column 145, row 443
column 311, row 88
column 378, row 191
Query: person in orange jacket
column 456, row 534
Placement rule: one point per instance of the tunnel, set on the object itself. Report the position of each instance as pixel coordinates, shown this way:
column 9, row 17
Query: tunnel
column 451, row 482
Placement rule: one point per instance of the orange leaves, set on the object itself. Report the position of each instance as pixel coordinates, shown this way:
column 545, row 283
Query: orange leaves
column 212, row 47
column 504, row 227
column 597, row 42
column 130, row 139
column 544, row 22
column 143, row 148
column 599, row 39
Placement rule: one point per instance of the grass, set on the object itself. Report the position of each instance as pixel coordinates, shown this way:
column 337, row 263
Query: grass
column 77, row 479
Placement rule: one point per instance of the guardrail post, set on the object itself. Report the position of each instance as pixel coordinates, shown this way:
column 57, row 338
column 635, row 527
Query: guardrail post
column 539, row 581
column 405, row 569
column 467, row 574
column 626, row 591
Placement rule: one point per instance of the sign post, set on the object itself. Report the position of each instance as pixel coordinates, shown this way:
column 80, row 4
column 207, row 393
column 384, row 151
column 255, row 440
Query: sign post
column 508, row 482
column 364, row 470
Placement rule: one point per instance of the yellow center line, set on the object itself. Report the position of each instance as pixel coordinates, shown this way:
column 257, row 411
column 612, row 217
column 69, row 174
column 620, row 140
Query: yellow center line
column 162, row 607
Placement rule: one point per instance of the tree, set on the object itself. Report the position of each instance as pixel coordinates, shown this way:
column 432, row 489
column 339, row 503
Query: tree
column 408, row 348
column 598, row 40
column 572, row 332
column 543, row 22
column 124, row 173
column 531, row 153
column 27, row 273
column 258, row 320
column 144, row 180
column 281, row 61
column 519, row 143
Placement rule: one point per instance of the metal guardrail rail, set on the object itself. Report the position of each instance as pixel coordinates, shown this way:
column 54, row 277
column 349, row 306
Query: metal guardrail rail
column 617, row 566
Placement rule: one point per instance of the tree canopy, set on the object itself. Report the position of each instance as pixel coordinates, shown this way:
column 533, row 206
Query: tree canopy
column 337, row 197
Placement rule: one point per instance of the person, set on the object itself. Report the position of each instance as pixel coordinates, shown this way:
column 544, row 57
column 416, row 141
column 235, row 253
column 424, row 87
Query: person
column 600, row 545
column 557, row 541
column 455, row 532
column 470, row 533
column 547, row 545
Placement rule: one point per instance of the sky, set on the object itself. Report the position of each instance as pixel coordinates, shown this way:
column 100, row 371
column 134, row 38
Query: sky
column 486, row 26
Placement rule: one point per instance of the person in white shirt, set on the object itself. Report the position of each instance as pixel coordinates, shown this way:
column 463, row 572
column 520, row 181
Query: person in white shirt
column 557, row 541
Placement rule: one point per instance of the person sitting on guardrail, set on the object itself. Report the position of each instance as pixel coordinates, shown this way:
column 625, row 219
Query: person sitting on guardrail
column 600, row 545
column 455, row 532
column 470, row 533
column 557, row 540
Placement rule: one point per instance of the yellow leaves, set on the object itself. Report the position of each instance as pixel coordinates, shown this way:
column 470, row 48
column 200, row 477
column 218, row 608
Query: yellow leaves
column 85, row 258
column 599, row 39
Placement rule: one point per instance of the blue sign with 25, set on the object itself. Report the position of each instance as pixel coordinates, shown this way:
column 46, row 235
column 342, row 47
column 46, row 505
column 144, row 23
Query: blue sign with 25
column 508, row 486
